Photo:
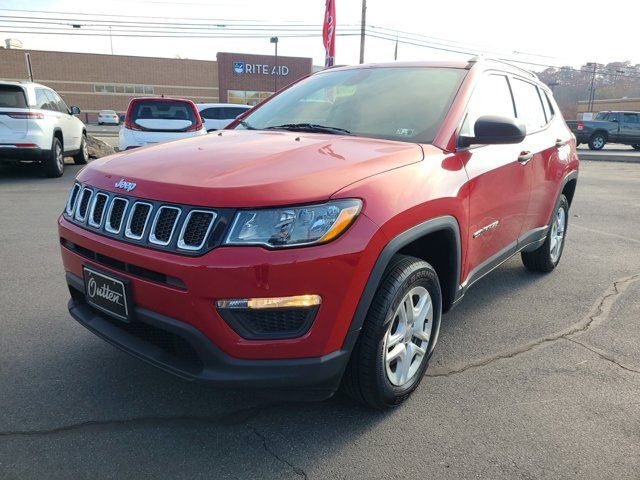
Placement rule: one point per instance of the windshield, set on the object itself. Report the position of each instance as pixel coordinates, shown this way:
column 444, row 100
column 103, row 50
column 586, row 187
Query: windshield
column 393, row 103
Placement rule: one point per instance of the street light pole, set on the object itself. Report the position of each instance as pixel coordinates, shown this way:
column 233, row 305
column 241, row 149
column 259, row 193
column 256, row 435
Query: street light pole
column 274, row 40
column 363, row 23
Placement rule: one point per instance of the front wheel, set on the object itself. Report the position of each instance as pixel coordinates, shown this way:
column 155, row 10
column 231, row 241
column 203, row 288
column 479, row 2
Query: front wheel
column 82, row 157
column 398, row 335
column 546, row 257
column 597, row 142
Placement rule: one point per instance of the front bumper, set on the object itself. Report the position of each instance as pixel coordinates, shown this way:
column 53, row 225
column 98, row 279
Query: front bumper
column 183, row 350
column 336, row 271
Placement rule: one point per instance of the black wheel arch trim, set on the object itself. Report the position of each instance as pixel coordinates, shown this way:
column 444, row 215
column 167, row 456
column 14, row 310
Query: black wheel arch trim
column 434, row 225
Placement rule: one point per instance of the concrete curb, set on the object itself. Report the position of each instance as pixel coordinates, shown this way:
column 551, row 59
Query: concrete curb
column 609, row 158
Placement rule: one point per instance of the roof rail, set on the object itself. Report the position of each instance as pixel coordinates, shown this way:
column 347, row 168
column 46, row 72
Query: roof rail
column 478, row 58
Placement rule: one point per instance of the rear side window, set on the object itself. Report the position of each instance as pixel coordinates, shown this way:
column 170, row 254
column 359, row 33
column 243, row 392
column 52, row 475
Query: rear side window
column 222, row 113
column 233, row 112
column 43, row 102
column 213, row 113
column 546, row 104
column 56, row 102
column 12, row 96
column 630, row 118
column 491, row 96
column 529, row 108
column 162, row 110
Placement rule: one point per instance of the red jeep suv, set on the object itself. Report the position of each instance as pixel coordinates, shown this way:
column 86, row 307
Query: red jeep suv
column 319, row 239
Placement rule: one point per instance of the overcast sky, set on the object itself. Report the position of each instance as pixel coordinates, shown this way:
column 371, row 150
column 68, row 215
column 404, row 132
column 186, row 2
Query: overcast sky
column 556, row 32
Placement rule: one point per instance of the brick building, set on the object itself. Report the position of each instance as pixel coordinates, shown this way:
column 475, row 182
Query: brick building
column 97, row 82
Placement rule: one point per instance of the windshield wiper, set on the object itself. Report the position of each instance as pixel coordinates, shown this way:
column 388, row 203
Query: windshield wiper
column 310, row 127
column 246, row 125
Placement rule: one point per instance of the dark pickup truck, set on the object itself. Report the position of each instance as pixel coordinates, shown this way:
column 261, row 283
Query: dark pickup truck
column 608, row 127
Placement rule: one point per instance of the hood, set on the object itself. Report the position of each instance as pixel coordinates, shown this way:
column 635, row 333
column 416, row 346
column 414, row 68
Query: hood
column 249, row 168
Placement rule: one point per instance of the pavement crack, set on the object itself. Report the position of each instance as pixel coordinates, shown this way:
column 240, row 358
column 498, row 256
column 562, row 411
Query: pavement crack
column 300, row 472
column 609, row 357
column 598, row 314
column 237, row 417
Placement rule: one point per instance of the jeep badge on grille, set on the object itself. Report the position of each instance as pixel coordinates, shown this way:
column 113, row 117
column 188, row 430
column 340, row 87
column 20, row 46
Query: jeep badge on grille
column 128, row 186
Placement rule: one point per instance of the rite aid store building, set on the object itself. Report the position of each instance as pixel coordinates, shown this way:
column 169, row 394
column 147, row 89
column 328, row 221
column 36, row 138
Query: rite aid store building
column 97, row 82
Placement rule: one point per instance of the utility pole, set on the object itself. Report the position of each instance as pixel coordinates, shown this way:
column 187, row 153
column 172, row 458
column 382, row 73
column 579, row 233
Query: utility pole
column 363, row 23
column 592, row 89
column 110, row 39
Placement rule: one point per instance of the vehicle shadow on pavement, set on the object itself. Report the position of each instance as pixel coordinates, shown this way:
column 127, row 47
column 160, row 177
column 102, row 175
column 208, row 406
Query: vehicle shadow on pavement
column 12, row 171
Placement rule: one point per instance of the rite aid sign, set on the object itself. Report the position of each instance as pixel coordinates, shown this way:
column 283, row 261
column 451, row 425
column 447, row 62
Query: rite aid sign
column 240, row 68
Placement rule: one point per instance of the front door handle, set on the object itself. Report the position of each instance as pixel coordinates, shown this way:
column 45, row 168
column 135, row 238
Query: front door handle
column 525, row 157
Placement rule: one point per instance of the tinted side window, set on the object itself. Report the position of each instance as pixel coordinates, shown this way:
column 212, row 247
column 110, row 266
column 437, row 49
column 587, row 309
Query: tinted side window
column 12, row 97
column 630, row 118
column 60, row 105
column 213, row 113
column 491, row 96
column 42, row 100
column 546, row 104
column 528, row 105
column 233, row 112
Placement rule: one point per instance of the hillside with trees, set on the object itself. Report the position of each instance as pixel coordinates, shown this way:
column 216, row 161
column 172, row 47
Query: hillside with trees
column 570, row 85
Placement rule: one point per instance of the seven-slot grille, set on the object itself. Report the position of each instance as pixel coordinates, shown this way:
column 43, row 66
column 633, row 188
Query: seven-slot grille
column 175, row 227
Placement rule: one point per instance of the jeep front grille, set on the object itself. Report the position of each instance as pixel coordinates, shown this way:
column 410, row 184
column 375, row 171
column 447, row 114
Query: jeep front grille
column 178, row 228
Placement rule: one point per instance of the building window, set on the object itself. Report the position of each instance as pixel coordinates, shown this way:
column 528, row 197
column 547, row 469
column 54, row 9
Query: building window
column 247, row 97
column 123, row 89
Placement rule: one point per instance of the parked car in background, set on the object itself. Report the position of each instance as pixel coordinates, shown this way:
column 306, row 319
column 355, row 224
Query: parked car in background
column 608, row 127
column 156, row 120
column 316, row 240
column 109, row 117
column 37, row 126
column 218, row 115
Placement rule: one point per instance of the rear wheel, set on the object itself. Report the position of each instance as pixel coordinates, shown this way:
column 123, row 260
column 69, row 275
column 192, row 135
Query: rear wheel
column 546, row 257
column 597, row 141
column 398, row 335
column 82, row 157
column 636, row 147
column 54, row 164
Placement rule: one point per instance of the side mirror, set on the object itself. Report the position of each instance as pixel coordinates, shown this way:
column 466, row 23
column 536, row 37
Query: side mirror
column 74, row 110
column 614, row 120
column 494, row 130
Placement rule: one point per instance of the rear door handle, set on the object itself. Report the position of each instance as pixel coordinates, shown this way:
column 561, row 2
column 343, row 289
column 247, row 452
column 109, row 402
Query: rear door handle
column 525, row 157
column 560, row 143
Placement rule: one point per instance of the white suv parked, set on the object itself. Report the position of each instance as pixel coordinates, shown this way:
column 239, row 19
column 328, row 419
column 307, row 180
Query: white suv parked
column 36, row 125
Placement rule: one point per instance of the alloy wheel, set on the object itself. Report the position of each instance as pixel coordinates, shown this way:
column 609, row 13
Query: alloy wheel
column 407, row 338
column 59, row 157
column 557, row 234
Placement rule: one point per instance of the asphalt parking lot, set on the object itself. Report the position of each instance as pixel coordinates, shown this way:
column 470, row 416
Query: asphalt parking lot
column 534, row 376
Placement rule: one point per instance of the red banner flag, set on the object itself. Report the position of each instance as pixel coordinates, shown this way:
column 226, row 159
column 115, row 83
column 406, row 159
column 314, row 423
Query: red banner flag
column 329, row 33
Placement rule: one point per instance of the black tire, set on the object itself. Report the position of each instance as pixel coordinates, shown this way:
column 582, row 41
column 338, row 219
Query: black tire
column 597, row 141
column 636, row 147
column 54, row 164
column 366, row 379
column 542, row 259
column 82, row 157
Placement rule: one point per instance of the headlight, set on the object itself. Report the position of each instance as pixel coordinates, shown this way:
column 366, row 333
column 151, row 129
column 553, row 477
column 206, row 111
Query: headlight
column 293, row 226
